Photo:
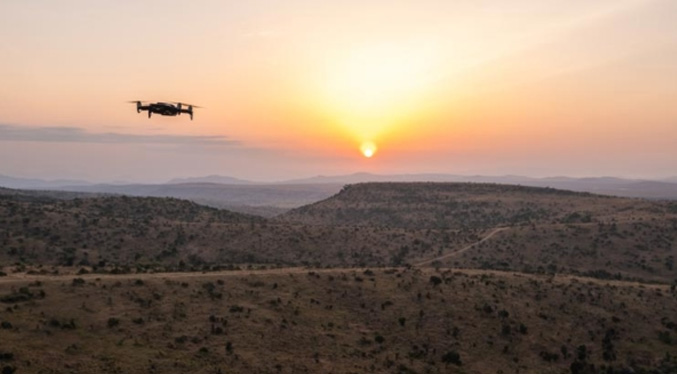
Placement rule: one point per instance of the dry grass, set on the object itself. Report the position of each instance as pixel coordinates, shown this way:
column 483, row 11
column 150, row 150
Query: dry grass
column 337, row 320
column 334, row 321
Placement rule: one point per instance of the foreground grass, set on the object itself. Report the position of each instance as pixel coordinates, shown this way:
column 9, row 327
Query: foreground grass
column 335, row 321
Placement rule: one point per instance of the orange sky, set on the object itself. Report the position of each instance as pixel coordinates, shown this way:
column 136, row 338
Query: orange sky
column 296, row 88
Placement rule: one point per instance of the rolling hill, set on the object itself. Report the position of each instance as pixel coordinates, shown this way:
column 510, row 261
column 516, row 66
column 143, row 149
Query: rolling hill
column 542, row 229
column 485, row 226
column 464, row 205
column 138, row 233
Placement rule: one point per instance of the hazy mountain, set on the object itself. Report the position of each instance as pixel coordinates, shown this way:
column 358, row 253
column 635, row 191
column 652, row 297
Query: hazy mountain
column 34, row 183
column 368, row 177
column 210, row 179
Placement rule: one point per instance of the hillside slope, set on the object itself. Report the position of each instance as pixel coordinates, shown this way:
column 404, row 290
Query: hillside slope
column 544, row 230
column 165, row 233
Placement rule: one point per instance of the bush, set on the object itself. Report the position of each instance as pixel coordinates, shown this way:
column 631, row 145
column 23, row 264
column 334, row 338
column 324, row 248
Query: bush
column 452, row 357
column 112, row 322
column 435, row 280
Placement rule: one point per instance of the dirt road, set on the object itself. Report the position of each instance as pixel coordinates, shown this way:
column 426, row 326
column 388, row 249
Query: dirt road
column 459, row 251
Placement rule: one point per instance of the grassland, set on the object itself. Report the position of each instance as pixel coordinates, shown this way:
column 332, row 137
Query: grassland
column 336, row 321
column 382, row 278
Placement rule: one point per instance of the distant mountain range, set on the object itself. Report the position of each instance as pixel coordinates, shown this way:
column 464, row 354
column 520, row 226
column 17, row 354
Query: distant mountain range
column 38, row 184
column 270, row 199
column 210, row 179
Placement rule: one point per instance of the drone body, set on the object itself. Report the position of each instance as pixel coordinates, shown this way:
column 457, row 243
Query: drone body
column 165, row 109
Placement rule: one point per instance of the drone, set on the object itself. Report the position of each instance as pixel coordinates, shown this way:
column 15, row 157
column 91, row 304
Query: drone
column 165, row 109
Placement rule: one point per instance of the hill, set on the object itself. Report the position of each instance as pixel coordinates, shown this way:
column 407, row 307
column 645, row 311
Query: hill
column 623, row 187
column 136, row 234
column 516, row 228
column 461, row 205
column 541, row 229
column 40, row 230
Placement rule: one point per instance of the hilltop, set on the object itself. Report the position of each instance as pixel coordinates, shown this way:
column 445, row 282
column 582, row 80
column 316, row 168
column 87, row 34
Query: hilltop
column 464, row 205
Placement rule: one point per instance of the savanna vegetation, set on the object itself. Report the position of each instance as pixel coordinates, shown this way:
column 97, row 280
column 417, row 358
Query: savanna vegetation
column 382, row 277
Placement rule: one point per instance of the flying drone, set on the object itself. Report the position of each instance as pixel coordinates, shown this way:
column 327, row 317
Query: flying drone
column 165, row 109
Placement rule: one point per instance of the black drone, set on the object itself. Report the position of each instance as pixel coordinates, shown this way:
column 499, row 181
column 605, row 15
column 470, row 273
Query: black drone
column 165, row 109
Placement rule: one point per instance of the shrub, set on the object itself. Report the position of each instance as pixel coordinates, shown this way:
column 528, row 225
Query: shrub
column 435, row 280
column 112, row 322
column 452, row 357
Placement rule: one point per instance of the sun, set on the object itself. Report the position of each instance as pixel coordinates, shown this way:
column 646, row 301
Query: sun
column 368, row 149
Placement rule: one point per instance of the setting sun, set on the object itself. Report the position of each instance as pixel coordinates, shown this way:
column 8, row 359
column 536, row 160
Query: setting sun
column 368, row 149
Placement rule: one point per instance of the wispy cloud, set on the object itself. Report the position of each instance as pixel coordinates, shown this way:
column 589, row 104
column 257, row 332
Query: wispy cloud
column 79, row 135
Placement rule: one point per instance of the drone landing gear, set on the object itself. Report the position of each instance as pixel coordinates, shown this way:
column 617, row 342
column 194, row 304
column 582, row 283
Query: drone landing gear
column 149, row 113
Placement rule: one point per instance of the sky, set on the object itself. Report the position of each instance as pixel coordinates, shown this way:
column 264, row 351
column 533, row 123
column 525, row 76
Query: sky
column 298, row 88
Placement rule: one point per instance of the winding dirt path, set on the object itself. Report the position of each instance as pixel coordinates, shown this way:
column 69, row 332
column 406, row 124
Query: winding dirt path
column 459, row 251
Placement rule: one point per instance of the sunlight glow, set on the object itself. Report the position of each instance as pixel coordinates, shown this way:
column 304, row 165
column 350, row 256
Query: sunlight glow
column 368, row 149
column 371, row 88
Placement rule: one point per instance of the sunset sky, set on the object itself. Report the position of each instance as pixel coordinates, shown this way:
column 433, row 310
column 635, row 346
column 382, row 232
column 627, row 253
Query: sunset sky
column 298, row 88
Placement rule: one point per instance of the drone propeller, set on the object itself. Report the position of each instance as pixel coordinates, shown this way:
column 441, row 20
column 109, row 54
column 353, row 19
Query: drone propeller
column 138, row 105
column 185, row 104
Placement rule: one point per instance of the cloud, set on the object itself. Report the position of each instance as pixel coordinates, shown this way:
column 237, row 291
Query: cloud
column 79, row 135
